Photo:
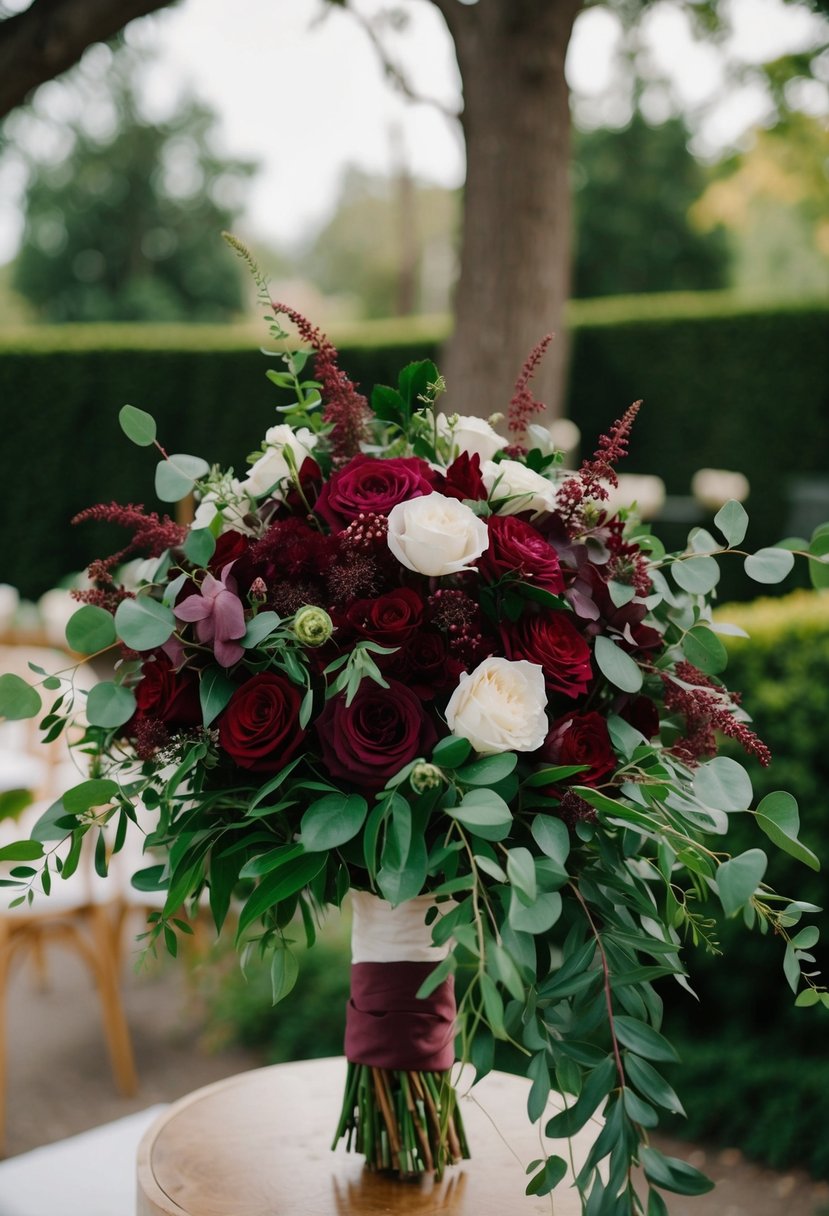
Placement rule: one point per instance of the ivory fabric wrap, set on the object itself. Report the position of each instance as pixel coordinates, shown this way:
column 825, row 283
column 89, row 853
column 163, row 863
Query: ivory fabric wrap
column 387, row 1026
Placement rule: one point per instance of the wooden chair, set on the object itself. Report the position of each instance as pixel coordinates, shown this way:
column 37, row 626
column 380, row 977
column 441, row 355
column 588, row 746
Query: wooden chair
column 83, row 913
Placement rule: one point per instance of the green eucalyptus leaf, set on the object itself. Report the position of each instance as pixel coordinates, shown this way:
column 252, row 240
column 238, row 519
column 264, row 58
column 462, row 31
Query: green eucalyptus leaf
column 261, row 627
column 769, row 565
column 547, row 1179
column 617, row 666
column 137, row 425
column 18, row 699
column 280, row 885
column 521, row 874
column 451, row 752
column 176, row 476
column 332, row 821
column 199, row 546
column 704, row 649
column 90, row 629
column 779, row 818
column 739, row 878
column 641, row 1038
column 215, row 690
column 723, row 783
column 284, row 973
column 699, row 575
column 481, row 808
column 671, row 1174
column 652, row 1084
column 110, row 705
column 98, row 791
column 732, row 521
column 552, row 837
column 539, row 916
column 488, row 770
column 22, row 850
column 144, row 624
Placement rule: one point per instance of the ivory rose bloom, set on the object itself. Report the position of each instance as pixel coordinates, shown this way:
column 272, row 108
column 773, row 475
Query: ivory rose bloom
column 499, row 707
column 525, row 489
column 471, row 435
column 271, row 469
column 434, row 535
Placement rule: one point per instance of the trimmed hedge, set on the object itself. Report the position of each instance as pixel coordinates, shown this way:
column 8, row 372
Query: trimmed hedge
column 724, row 385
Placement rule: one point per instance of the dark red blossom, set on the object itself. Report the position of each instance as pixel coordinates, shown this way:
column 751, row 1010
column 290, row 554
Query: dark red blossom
column 463, row 479
column 370, row 485
column 390, row 620
column 151, row 534
column 581, row 739
column 588, row 482
column 552, row 641
column 523, row 404
column 517, row 548
column 706, row 708
column 344, row 406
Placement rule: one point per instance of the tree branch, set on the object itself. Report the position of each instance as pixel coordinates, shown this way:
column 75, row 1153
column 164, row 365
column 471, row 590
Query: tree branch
column 51, row 35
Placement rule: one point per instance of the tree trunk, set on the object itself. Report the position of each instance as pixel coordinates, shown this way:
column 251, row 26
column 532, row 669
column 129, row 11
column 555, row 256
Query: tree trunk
column 515, row 253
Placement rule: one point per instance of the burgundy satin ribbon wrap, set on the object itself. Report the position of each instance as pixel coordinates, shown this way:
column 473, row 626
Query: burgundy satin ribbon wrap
column 387, row 1026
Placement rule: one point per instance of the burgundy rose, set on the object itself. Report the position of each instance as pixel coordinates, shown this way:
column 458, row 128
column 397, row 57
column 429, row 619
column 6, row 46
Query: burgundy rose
column 642, row 713
column 367, row 484
column 551, row 640
column 168, row 695
column 422, row 664
column 230, row 546
column 371, row 740
column 391, row 619
column 581, row 739
column 463, row 479
column 259, row 728
column 516, row 547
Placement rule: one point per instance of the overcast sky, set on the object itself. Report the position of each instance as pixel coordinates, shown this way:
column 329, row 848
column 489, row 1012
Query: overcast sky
column 307, row 97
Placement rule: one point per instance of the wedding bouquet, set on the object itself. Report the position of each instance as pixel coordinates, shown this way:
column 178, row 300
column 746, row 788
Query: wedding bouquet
column 407, row 657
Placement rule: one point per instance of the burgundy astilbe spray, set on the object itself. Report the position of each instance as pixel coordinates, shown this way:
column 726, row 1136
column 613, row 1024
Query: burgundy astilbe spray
column 600, row 468
column 523, row 404
column 345, row 407
column 151, row 535
column 707, row 708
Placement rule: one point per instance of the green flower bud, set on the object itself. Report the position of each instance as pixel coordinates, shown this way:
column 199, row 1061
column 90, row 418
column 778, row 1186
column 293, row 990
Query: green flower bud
column 425, row 777
column 313, row 626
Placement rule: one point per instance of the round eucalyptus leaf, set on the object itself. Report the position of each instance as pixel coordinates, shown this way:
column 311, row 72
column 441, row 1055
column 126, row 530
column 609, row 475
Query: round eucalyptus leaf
column 17, row 698
column 200, row 546
column 699, row 575
column 704, row 649
column 617, row 666
column 142, row 623
column 739, row 878
column 137, row 425
column 732, row 521
column 109, row 704
column 176, row 476
column 769, row 565
column 90, row 629
column 723, row 784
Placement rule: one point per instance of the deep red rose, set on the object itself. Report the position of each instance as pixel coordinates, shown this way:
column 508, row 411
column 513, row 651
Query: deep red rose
column 168, row 695
column 551, row 640
column 422, row 664
column 391, row 619
column 230, row 546
column 463, row 479
column 371, row 740
column 367, row 484
column 642, row 713
column 259, row 728
column 516, row 547
column 581, row 739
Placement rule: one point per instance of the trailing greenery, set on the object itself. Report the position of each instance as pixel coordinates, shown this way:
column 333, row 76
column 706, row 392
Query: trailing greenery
column 766, row 410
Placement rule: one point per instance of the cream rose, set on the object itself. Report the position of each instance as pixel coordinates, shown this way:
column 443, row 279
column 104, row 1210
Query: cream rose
column 524, row 489
column 272, row 469
column 499, row 707
column 434, row 535
column 237, row 503
column 471, row 435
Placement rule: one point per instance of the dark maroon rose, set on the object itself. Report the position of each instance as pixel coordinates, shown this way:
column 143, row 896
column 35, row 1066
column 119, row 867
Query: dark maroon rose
column 463, row 479
column 230, row 546
column 516, row 547
column 259, row 728
column 581, row 739
column 371, row 740
column 642, row 713
column 391, row 619
column 166, row 694
column 367, row 484
column 422, row 664
column 551, row 640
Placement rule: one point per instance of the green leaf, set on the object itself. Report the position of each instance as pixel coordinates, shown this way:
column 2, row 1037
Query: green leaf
column 539, row 916
column 18, row 699
column 284, row 972
column 199, row 546
column 808, row 997
column 652, row 1084
column 176, row 476
column 552, row 837
column 699, row 575
column 261, row 627
column 779, row 818
column 22, row 850
column 451, row 752
column 435, row 978
column 215, row 690
column 739, row 878
column 266, row 863
column 806, row 938
column 109, row 704
column 481, row 809
column 143, row 624
column 617, row 666
column 98, row 791
column 769, row 565
column 493, row 1007
column 521, row 874
column 672, row 1174
column 640, row 1112
column 280, row 885
column 332, row 821
column 489, row 770
column 137, row 425
column 732, row 521
column 597, row 1086
column 553, row 773
column 643, row 1040
column 548, row 1178
column 152, row 878
column 723, row 784
column 506, row 970
column 705, row 650
column 90, row 629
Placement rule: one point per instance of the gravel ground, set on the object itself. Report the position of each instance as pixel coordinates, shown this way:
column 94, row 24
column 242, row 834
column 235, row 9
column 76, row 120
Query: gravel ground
column 60, row 1084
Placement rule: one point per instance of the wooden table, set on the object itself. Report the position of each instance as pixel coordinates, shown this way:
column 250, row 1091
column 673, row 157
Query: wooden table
column 258, row 1145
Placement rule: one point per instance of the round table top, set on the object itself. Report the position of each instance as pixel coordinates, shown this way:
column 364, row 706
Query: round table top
column 258, row 1144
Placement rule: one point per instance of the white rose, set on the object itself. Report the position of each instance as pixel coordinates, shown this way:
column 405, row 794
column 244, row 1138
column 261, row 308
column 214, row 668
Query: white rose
column 499, row 707
column 236, row 505
column 435, row 535
column 471, row 435
column 524, row 489
column 272, row 469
